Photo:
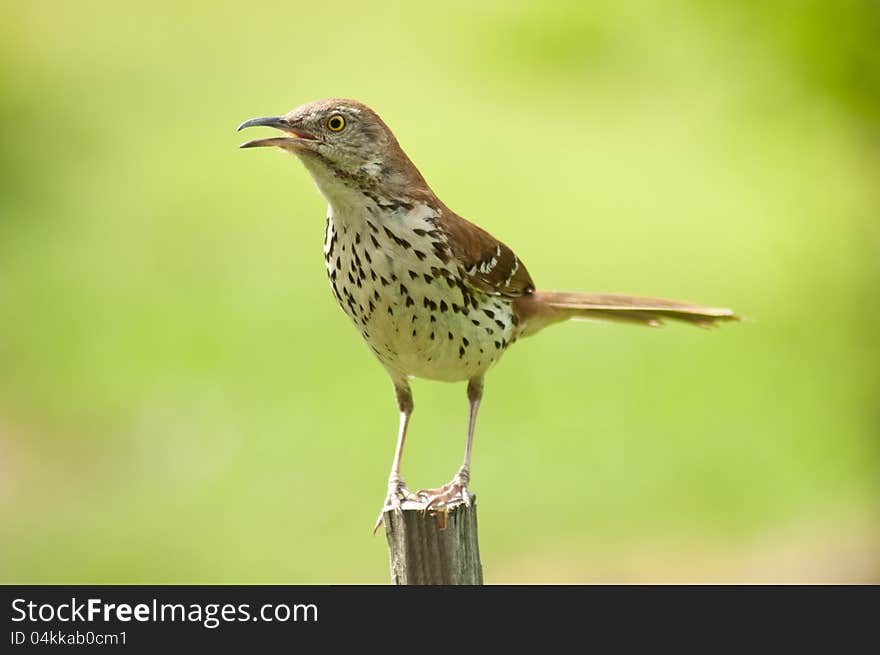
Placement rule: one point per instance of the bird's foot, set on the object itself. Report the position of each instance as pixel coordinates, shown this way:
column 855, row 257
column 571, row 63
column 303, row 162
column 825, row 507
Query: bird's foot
column 397, row 491
column 453, row 492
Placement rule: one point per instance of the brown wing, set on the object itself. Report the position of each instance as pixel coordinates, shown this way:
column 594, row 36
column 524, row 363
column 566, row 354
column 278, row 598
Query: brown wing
column 484, row 262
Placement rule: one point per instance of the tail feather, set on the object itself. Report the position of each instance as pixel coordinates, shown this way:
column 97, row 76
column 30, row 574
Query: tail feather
column 544, row 308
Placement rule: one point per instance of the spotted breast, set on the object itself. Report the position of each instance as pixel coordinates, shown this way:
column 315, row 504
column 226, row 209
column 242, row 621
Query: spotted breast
column 394, row 274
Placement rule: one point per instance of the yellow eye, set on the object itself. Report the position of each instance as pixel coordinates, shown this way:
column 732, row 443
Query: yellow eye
column 335, row 123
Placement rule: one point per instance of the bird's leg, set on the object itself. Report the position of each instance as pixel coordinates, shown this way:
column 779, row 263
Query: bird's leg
column 397, row 489
column 456, row 490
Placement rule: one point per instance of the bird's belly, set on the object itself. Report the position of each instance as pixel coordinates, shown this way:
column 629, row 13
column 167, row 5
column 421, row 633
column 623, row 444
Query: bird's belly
column 447, row 349
column 416, row 322
column 412, row 337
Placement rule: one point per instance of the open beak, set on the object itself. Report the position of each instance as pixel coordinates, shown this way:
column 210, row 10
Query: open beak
column 296, row 135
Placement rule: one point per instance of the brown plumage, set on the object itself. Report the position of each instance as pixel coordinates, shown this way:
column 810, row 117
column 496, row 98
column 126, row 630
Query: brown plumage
column 543, row 308
column 474, row 248
column 432, row 294
column 508, row 277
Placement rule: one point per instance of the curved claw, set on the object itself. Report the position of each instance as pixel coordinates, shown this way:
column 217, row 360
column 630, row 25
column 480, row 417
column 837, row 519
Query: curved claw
column 455, row 490
column 397, row 490
column 395, row 507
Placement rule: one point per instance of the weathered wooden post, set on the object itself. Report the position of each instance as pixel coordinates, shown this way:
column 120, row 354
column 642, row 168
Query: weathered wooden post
column 434, row 546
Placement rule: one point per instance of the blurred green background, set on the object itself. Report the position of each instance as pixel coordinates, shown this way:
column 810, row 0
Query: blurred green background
column 182, row 401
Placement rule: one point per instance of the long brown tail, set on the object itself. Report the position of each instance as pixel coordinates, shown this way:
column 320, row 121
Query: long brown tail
column 544, row 308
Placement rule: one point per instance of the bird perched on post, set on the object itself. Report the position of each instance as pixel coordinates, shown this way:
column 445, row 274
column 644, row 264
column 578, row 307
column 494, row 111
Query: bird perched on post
column 433, row 295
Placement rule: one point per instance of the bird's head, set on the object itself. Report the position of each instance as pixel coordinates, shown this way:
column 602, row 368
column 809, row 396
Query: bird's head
column 344, row 145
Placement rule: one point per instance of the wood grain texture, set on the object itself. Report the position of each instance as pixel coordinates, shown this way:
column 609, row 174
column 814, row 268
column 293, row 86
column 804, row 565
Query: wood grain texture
column 437, row 547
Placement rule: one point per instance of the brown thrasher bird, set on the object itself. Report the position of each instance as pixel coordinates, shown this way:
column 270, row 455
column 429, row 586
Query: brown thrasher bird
column 433, row 295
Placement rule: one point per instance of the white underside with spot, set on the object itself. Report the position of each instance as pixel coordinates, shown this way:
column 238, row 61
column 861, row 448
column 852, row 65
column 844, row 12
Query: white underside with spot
column 373, row 272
